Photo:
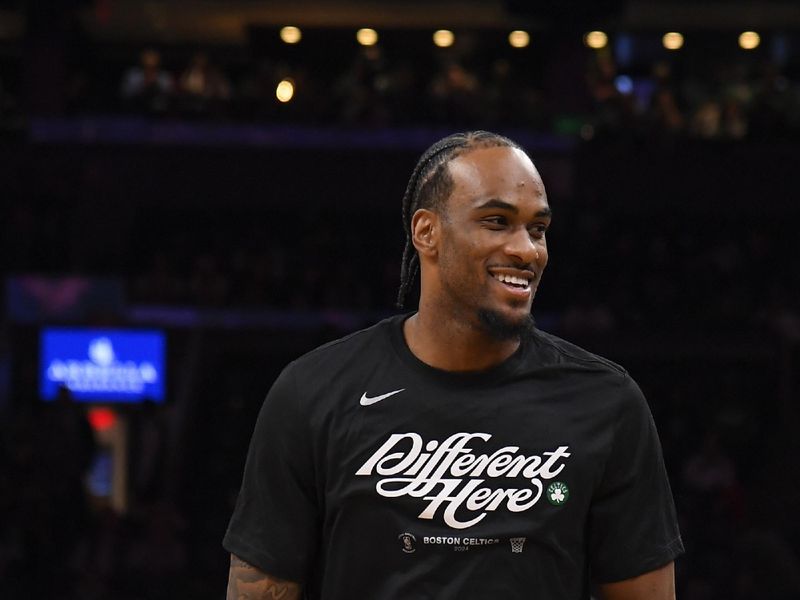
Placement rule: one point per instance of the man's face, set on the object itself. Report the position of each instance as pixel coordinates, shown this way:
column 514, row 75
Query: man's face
column 492, row 250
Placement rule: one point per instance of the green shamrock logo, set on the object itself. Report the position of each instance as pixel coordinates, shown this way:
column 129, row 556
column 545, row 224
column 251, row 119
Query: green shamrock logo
column 557, row 493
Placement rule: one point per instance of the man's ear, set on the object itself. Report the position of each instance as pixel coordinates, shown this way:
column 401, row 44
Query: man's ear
column 425, row 230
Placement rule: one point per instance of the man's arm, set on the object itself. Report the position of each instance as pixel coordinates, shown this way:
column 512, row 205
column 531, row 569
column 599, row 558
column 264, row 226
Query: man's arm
column 655, row 585
column 245, row 582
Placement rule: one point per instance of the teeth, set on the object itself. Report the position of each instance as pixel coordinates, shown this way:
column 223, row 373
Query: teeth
column 512, row 279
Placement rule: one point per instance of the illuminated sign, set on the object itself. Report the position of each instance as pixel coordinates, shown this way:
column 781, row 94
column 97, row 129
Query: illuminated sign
column 102, row 365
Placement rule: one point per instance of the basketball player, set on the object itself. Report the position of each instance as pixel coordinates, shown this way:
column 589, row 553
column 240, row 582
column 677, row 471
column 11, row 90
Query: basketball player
column 457, row 452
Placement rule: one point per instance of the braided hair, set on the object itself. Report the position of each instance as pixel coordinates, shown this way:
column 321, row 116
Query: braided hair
column 430, row 187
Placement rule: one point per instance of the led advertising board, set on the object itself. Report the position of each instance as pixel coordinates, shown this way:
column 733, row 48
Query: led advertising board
column 103, row 365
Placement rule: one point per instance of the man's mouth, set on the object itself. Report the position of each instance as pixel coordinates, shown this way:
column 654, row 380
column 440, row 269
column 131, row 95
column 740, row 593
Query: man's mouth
column 515, row 282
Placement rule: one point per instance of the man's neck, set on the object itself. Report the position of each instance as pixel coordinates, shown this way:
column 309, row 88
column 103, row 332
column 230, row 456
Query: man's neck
column 453, row 345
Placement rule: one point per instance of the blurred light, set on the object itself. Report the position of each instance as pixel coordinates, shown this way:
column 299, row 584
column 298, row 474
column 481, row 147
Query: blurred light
column 290, row 34
column 595, row 39
column 102, row 418
column 367, row 37
column 624, row 84
column 749, row 40
column 443, row 38
column 285, row 90
column 519, row 38
column 672, row 40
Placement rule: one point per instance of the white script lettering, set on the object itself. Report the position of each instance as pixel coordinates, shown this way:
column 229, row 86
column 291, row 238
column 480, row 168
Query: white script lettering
column 450, row 475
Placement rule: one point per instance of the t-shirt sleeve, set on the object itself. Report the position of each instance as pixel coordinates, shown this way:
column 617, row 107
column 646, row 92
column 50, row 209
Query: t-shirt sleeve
column 275, row 522
column 632, row 528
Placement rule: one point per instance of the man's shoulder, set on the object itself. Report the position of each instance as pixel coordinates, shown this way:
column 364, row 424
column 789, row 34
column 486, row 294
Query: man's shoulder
column 558, row 351
column 578, row 366
column 349, row 347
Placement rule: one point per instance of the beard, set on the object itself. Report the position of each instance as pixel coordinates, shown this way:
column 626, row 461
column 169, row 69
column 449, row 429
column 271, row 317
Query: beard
column 502, row 328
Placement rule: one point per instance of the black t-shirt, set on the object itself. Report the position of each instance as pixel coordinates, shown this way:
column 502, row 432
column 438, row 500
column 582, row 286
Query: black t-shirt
column 373, row 475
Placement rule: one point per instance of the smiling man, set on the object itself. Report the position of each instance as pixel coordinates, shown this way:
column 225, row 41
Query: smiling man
column 457, row 452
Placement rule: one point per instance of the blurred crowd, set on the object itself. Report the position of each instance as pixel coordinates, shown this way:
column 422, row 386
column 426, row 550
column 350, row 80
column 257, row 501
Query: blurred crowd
column 565, row 90
column 735, row 99
column 731, row 100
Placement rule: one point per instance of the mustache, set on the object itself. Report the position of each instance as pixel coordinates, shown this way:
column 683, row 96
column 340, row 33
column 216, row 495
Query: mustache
column 519, row 266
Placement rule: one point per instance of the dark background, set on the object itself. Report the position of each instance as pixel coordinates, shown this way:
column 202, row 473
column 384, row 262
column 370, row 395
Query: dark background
column 252, row 231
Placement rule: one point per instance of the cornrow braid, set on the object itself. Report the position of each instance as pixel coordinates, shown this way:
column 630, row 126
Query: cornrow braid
column 430, row 187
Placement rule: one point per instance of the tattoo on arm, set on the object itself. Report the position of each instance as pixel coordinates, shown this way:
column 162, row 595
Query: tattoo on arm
column 246, row 582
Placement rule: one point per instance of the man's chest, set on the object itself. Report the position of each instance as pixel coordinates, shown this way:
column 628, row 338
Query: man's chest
column 477, row 466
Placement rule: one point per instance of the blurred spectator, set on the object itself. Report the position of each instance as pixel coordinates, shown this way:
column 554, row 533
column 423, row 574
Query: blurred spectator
column 147, row 87
column 707, row 120
column 734, row 120
column 664, row 116
column 360, row 92
column 455, row 94
column 203, row 87
column 400, row 87
column 257, row 91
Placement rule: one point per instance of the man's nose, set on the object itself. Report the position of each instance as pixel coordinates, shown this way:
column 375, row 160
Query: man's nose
column 522, row 246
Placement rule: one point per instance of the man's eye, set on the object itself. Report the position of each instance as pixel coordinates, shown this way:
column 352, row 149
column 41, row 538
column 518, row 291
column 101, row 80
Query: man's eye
column 499, row 221
column 538, row 231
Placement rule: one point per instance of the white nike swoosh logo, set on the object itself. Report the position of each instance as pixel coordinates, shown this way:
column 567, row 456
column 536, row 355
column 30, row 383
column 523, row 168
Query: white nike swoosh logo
column 366, row 401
